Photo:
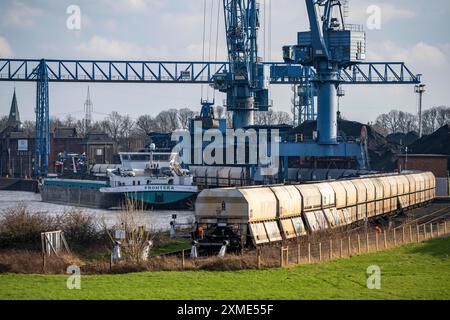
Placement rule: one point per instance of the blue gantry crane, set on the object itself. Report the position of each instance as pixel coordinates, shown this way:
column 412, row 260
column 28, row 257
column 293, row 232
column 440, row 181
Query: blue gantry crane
column 246, row 82
column 329, row 47
column 329, row 55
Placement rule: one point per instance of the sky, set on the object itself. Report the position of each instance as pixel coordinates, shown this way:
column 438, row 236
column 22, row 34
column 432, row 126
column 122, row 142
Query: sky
column 413, row 31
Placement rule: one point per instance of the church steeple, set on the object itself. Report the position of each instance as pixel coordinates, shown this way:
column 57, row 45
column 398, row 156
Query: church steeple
column 14, row 117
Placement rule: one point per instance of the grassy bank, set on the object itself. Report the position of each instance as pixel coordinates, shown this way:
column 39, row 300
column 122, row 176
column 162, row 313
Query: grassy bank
column 420, row 271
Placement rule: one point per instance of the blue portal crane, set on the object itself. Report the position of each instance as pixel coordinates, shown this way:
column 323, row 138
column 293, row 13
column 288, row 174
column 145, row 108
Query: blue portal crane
column 329, row 47
column 247, row 80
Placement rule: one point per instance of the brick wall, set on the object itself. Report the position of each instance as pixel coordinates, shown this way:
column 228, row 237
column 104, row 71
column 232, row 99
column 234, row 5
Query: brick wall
column 437, row 165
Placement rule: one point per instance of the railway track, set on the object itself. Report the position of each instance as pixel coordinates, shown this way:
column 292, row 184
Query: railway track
column 437, row 215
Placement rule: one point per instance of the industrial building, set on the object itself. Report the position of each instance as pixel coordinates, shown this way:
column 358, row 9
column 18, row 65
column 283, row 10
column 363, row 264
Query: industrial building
column 17, row 146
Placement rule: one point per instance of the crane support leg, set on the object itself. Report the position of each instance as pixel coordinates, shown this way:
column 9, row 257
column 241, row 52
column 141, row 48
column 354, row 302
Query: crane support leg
column 42, row 145
column 327, row 113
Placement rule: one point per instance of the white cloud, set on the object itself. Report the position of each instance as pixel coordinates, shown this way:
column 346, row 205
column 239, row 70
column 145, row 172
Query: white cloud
column 21, row 15
column 5, row 48
column 134, row 5
column 389, row 12
column 421, row 54
column 105, row 48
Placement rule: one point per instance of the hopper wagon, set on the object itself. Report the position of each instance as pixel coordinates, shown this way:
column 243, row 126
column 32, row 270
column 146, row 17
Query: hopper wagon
column 253, row 216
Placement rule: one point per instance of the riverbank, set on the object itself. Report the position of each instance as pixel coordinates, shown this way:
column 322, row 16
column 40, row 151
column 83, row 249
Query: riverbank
column 159, row 219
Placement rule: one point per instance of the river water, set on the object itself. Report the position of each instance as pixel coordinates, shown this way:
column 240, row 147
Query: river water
column 157, row 220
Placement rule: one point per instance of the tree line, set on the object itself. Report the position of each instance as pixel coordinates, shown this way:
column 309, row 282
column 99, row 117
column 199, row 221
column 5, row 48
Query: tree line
column 397, row 121
column 125, row 130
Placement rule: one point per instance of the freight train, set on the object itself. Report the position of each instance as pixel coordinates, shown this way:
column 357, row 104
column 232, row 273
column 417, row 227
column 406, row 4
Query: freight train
column 252, row 216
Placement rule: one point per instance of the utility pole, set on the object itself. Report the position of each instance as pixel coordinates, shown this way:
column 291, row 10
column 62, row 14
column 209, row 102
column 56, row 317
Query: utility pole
column 420, row 89
column 406, row 158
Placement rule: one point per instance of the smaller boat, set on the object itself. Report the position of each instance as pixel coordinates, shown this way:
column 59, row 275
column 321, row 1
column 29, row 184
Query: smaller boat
column 151, row 178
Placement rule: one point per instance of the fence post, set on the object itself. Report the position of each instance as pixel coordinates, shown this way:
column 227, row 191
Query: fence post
column 43, row 253
column 431, row 230
column 403, row 234
column 418, row 233
column 438, row 231
column 281, row 256
column 258, row 257
column 182, row 260
column 376, row 241
column 320, row 251
column 309, row 252
column 395, row 237
column 445, row 226
column 340, row 250
column 385, row 239
column 298, row 253
column 410, row 234
column 424, row 232
column 367, row 242
column 331, row 249
column 287, row 255
column 349, row 247
column 359, row 244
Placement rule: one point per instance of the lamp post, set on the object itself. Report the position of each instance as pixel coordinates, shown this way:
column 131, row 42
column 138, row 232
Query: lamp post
column 420, row 89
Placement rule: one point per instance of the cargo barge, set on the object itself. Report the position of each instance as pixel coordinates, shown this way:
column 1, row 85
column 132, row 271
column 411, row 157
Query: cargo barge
column 149, row 179
column 82, row 193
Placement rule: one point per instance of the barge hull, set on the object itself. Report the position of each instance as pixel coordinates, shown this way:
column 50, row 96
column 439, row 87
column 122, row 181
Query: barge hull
column 82, row 197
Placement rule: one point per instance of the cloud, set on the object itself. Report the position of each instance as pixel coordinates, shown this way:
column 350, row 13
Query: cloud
column 389, row 12
column 106, row 48
column 21, row 15
column 134, row 5
column 5, row 48
column 420, row 54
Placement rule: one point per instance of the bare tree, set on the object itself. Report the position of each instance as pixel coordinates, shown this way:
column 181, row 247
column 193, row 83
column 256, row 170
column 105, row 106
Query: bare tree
column 403, row 122
column 185, row 116
column 126, row 130
column 283, row 117
column 397, row 122
column 168, row 121
column 3, row 121
column 113, row 125
column 408, row 122
column 69, row 121
column 429, row 121
column 443, row 116
column 29, row 127
column 145, row 125
column 266, row 118
column 435, row 118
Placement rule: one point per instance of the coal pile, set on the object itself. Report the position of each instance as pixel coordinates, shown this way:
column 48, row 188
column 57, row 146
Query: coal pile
column 382, row 154
column 402, row 139
column 435, row 143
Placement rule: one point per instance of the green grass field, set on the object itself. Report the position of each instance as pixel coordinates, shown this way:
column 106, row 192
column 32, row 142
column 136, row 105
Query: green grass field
column 420, row 271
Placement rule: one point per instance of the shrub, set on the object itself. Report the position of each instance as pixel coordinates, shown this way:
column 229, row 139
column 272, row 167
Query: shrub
column 20, row 228
column 80, row 228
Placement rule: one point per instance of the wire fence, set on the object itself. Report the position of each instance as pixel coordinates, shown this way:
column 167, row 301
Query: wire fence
column 307, row 251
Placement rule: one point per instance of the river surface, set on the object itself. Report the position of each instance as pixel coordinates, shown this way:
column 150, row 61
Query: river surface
column 157, row 220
